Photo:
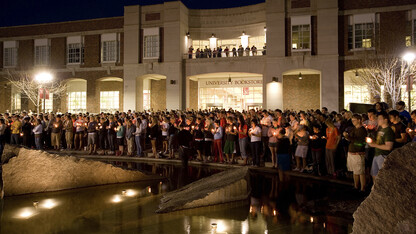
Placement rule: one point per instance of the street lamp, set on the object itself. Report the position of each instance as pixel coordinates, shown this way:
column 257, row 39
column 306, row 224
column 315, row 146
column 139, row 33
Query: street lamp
column 43, row 78
column 409, row 57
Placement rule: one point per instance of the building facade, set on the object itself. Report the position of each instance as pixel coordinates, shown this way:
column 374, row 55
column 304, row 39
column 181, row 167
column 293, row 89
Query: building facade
column 289, row 54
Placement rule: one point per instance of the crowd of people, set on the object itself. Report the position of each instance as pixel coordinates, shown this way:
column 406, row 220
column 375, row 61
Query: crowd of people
column 313, row 141
column 219, row 52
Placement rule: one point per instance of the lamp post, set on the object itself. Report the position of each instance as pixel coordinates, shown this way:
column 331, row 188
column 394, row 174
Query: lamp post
column 42, row 78
column 409, row 57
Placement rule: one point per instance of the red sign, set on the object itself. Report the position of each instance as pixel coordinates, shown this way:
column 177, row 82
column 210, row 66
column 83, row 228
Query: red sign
column 41, row 93
column 246, row 91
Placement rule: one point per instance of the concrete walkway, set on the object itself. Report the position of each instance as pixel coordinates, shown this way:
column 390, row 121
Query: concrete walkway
column 266, row 169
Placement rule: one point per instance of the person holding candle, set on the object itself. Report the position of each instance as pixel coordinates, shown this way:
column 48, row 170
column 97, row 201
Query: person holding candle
column 383, row 144
column 92, row 135
column 154, row 131
column 243, row 138
column 3, row 127
column 37, row 131
column 15, row 127
column 111, row 134
column 165, row 135
column 120, row 132
column 283, row 152
column 302, row 137
column 356, row 152
column 79, row 132
column 317, row 145
column 208, row 131
column 412, row 129
column 69, row 134
column 272, row 134
column 218, row 133
column 332, row 140
column 371, row 126
column 130, row 131
column 102, row 134
column 255, row 133
column 56, row 133
column 230, row 140
column 26, row 130
column 137, row 135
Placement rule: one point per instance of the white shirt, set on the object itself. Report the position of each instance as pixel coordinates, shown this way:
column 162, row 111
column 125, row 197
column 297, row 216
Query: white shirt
column 256, row 130
column 166, row 126
column 268, row 122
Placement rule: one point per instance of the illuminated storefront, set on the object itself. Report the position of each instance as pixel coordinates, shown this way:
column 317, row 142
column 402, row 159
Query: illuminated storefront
column 236, row 93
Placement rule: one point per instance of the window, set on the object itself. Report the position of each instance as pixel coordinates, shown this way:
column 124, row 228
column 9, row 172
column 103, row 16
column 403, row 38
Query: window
column 151, row 46
column 48, row 103
column 16, row 102
column 146, row 99
column 110, row 47
column 109, row 101
column 356, row 94
column 414, row 31
column 42, row 52
column 151, row 43
column 10, row 57
column 10, row 53
column 301, row 32
column 301, row 37
column 77, row 102
column 75, row 53
column 361, row 31
column 364, row 35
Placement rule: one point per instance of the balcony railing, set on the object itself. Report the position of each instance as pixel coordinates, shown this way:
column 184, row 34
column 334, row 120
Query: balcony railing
column 229, row 54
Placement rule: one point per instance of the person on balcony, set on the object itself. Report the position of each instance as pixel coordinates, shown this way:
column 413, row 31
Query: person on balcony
column 190, row 52
column 227, row 51
column 234, row 52
column 254, row 50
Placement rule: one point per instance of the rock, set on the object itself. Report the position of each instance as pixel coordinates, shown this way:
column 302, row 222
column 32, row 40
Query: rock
column 9, row 152
column 391, row 205
column 33, row 171
column 226, row 186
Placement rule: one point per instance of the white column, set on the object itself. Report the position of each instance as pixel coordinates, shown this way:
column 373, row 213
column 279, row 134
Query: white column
column 274, row 95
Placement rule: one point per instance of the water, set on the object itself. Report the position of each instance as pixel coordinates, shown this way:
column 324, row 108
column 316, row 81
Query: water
column 274, row 207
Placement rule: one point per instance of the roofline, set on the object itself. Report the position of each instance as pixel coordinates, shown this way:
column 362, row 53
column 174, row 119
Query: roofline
column 63, row 22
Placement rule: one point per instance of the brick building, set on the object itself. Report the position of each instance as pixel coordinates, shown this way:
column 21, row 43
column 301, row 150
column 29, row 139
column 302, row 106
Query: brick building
column 141, row 60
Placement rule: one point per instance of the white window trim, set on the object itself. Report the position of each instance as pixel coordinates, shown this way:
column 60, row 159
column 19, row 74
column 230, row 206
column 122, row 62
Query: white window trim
column 413, row 18
column 151, row 32
column 298, row 21
column 362, row 19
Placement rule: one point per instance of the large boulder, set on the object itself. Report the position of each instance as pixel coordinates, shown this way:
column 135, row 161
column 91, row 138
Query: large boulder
column 227, row 186
column 33, row 171
column 391, row 205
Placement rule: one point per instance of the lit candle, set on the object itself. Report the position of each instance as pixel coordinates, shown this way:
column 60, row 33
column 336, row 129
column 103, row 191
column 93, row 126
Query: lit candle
column 235, row 128
column 311, row 137
column 323, row 137
column 311, row 219
column 274, row 212
column 274, row 133
column 55, row 125
column 150, row 124
column 410, row 130
column 193, row 127
column 368, row 140
column 21, row 134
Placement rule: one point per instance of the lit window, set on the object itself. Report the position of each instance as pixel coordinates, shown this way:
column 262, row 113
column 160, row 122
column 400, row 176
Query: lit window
column 75, row 53
column 151, row 46
column 146, row 99
column 16, row 102
column 77, row 102
column 356, row 94
column 48, row 103
column 362, row 30
column 301, row 37
column 9, row 56
column 42, row 55
column 363, row 35
column 109, row 101
column 408, row 41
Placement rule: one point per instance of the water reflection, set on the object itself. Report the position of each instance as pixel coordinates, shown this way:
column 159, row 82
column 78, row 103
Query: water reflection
column 274, row 207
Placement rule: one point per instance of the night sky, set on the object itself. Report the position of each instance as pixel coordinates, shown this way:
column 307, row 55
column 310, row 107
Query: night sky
column 23, row 12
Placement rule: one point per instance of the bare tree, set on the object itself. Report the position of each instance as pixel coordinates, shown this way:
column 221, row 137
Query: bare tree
column 26, row 84
column 387, row 71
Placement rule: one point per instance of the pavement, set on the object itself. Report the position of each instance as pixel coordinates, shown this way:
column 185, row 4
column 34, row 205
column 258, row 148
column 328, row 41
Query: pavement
column 146, row 159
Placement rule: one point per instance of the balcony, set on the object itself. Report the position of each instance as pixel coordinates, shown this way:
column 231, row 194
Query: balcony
column 247, row 54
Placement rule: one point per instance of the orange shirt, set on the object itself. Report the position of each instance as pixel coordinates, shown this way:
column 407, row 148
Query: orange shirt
column 331, row 138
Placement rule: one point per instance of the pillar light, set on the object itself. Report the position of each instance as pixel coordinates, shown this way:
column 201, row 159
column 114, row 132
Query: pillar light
column 212, row 42
column 188, row 34
column 244, row 39
column 229, row 79
column 265, row 29
column 356, row 74
column 275, row 79
column 300, row 76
